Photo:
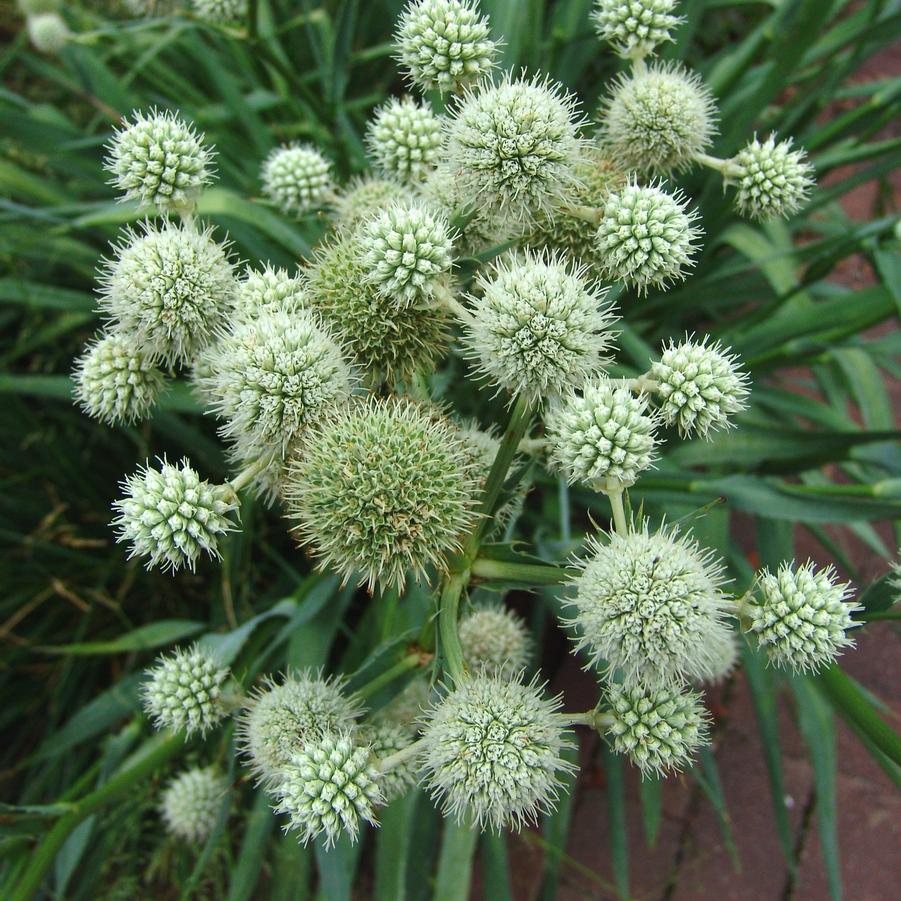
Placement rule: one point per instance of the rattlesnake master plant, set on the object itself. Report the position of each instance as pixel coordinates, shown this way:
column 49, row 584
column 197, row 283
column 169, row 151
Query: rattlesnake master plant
column 488, row 233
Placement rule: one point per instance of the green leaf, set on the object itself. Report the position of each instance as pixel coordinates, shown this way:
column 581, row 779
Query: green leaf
column 145, row 638
column 392, row 848
column 458, row 847
column 708, row 778
column 614, row 770
column 257, row 830
column 495, row 867
column 555, row 830
column 650, row 790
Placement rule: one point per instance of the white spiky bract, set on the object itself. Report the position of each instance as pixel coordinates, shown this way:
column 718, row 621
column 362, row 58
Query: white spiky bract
column 220, row 11
column 646, row 237
column 657, row 120
column 773, row 179
column 699, row 386
column 444, row 44
column 261, row 291
column 182, row 691
column 802, row 616
column 494, row 638
column 539, row 326
column 404, row 139
column 383, row 490
column 649, row 605
column 635, row 28
column 191, row 803
column 493, row 751
column 158, row 159
column 296, row 178
column 169, row 288
column 48, row 32
column 171, row 516
column 660, row 729
column 115, row 382
column 384, row 739
column 365, row 195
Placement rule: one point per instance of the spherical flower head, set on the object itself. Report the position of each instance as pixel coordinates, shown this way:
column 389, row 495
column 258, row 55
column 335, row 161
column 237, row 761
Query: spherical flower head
column 191, row 803
column 328, row 788
column 773, row 180
column 602, row 436
column 115, row 382
column 168, row 290
column 407, row 251
column 496, row 639
column 158, row 159
column 48, row 32
column 650, row 604
column 444, row 44
column 635, row 28
column 296, row 178
column 404, row 139
column 658, row 120
column 660, row 729
column 170, row 515
column 539, row 326
column 182, row 691
column 222, row 11
column 699, row 387
column 493, row 751
column 261, row 291
column 513, row 148
column 281, row 717
column 382, row 489
column 802, row 617
column 384, row 739
column 407, row 707
column 646, row 237
column 725, row 653
column 363, row 196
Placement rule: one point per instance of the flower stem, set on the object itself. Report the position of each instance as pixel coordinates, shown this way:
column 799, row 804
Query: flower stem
column 727, row 168
column 247, row 475
column 448, row 613
column 614, row 492
column 526, row 573
column 386, row 764
column 404, row 665
column 596, row 719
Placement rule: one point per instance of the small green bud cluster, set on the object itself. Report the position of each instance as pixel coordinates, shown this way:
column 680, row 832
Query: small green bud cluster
column 635, row 28
column 773, row 180
column 404, row 139
column 191, row 803
column 48, row 32
column 220, row 11
column 364, row 195
column 296, row 178
column 495, row 639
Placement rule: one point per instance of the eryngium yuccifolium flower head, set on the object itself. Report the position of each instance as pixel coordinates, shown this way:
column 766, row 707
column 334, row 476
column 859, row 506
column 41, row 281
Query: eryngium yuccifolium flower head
column 605, row 434
column 268, row 290
column 390, row 342
column 226, row 11
column 802, row 616
column 404, row 138
column 364, row 195
column 699, row 386
column 159, row 159
column 658, row 120
column 281, row 717
column 170, row 515
column 725, row 653
column 384, row 739
column 513, row 148
column 773, row 180
column 650, row 605
column 296, row 178
column 329, row 787
column 406, row 251
column 444, row 44
column 496, row 639
column 407, row 707
column 538, row 325
column 660, row 729
column 48, row 32
column 191, row 803
column 635, row 28
column 382, row 489
column 182, row 691
column 646, row 237
column 168, row 290
column 493, row 751
column 115, row 382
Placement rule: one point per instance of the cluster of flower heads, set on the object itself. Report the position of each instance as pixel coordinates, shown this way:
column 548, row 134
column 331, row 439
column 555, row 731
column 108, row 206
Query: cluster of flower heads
column 500, row 222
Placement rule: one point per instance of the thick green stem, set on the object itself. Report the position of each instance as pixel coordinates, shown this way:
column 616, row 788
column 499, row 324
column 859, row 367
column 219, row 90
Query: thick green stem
column 404, row 665
column 727, row 168
column 615, row 492
column 448, row 613
column 386, row 764
column 596, row 719
column 526, row 573
column 246, row 476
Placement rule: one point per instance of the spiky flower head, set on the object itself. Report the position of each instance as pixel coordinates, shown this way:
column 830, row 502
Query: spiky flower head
column 494, row 638
column 48, row 32
column 802, row 617
column 493, row 751
column 157, row 158
column 261, row 291
column 282, row 716
column 658, row 120
column 407, row 251
column 773, row 180
column 407, row 707
column 699, row 386
column 223, row 11
column 444, row 44
column 191, row 803
column 602, row 436
column 390, row 342
column 328, row 788
column 649, row 604
column 538, row 325
column 635, row 28
column 296, row 178
column 384, row 739
column 170, row 515
column 725, row 653
column 364, row 195
column 182, row 691
column 404, row 138
column 115, row 382
column 646, row 237
column 513, row 148
column 382, row 490
column 168, row 290
column 660, row 729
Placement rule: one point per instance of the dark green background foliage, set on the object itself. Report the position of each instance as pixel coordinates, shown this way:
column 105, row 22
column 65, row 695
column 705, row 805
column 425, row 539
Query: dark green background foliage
column 817, row 447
